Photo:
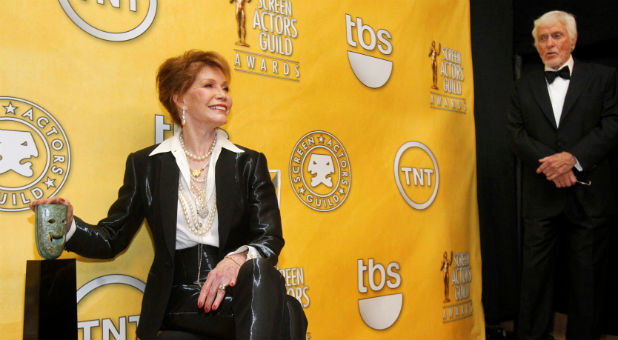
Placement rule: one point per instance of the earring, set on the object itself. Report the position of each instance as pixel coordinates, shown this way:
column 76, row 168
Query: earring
column 184, row 111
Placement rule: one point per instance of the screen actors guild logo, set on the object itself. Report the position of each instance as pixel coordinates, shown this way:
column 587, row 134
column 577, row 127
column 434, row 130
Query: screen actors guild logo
column 320, row 172
column 277, row 32
column 34, row 154
column 295, row 284
column 444, row 267
column 450, row 69
column 433, row 54
column 416, row 174
column 94, row 13
column 456, row 271
column 241, row 22
column 370, row 71
column 16, row 146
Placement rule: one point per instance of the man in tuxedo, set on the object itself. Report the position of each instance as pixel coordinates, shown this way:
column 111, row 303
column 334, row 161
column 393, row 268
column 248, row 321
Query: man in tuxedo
column 563, row 123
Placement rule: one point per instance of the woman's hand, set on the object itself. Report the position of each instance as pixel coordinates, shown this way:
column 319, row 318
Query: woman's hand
column 57, row 200
column 223, row 275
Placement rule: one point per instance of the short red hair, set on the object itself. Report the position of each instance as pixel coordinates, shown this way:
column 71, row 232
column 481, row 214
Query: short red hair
column 176, row 75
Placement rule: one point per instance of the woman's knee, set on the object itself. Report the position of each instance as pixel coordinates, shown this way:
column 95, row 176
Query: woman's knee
column 259, row 270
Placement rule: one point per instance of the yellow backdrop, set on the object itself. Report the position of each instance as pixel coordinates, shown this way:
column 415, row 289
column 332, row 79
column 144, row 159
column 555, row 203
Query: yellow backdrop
column 363, row 109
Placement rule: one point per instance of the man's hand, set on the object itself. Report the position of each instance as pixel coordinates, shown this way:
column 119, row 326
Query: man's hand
column 556, row 165
column 565, row 180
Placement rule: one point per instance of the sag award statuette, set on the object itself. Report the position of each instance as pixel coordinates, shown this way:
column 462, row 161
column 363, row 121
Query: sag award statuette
column 50, row 224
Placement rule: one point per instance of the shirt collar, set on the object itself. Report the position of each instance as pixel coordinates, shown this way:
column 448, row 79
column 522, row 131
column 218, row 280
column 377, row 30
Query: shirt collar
column 568, row 63
column 172, row 144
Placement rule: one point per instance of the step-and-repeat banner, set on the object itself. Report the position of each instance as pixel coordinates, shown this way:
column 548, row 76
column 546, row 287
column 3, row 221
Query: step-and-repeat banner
column 363, row 109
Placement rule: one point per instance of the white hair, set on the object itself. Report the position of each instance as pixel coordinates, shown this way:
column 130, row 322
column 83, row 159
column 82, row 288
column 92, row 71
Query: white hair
column 551, row 18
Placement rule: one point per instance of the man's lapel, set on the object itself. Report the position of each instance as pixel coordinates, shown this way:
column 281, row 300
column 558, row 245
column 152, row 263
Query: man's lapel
column 579, row 79
column 541, row 95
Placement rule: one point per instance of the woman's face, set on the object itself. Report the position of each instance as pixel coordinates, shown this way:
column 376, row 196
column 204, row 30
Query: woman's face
column 208, row 100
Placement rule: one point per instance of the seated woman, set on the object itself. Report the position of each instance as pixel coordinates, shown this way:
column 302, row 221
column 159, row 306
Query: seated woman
column 213, row 214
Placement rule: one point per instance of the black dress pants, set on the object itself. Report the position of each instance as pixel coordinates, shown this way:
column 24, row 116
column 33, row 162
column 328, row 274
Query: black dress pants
column 257, row 307
column 587, row 251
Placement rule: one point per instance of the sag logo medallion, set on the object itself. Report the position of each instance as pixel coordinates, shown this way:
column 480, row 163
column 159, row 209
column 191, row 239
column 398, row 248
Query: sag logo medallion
column 34, row 154
column 320, row 171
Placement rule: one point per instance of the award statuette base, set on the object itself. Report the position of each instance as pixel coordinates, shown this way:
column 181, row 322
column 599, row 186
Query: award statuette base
column 50, row 309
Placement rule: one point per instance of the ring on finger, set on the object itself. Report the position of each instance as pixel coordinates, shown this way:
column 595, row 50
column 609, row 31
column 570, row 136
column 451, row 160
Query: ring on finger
column 222, row 287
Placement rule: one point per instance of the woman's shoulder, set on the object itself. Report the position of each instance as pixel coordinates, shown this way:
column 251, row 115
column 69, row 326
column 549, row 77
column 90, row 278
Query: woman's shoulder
column 145, row 152
column 247, row 150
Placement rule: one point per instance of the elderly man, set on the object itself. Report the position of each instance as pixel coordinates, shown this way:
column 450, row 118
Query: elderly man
column 563, row 123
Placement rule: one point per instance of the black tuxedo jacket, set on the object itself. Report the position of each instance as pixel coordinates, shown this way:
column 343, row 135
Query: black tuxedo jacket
column 588, row 130
column 247, row 209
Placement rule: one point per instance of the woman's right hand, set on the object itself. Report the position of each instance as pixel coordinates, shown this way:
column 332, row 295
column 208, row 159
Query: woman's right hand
column 57, row 200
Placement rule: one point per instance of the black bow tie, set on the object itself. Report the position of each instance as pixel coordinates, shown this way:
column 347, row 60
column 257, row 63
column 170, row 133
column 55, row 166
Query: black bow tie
column 562, row 73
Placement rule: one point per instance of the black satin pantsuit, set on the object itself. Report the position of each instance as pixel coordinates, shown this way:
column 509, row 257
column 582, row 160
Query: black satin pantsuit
column 248, row 215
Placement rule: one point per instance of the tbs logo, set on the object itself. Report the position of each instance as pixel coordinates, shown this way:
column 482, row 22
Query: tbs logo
column 379, row 312
column 371, row 71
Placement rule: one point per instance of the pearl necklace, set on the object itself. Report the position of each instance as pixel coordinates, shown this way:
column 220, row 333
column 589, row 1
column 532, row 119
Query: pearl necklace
column 195, row 157
column 191, row 211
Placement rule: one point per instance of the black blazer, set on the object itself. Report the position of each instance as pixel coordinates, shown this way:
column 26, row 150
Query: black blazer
column 247, row 209
column 588, row 130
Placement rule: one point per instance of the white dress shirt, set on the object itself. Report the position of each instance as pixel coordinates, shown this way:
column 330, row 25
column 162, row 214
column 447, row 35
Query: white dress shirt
column 558, row 89
column 557, row 93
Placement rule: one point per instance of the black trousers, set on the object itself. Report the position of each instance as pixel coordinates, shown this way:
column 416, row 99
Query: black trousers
column 257, row 307
column 587, row 252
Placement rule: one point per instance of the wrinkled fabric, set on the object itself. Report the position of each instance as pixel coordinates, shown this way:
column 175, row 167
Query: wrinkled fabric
column 257, row 307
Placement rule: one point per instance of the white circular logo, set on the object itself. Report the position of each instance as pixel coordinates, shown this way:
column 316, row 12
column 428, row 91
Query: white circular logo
column 416, row 174
column 320, row 171
column 35, row 156
column 129, row 34
column 108, row 280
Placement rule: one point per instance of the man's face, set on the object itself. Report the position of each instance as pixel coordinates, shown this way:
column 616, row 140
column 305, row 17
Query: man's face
column 554, row 44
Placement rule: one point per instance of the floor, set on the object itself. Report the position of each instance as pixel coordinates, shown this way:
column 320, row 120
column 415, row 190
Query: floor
column 505, row 330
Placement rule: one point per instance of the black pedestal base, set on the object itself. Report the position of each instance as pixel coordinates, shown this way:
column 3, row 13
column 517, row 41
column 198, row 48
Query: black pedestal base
column 50, row 310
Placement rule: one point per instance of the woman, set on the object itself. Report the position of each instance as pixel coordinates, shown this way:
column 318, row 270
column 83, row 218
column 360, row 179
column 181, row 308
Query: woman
column 213, row 214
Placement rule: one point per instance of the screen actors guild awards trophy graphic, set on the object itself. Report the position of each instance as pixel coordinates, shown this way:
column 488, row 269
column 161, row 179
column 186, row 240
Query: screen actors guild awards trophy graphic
column 433, row 54
column 241, row 19
column 50, row 225
column 444, row 267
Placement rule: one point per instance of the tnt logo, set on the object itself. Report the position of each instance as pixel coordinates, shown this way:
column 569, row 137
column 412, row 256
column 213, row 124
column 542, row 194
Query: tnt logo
column 379, row 312
column 111, row 20
column 416, row 174
column 371, row 71
column 112, row 321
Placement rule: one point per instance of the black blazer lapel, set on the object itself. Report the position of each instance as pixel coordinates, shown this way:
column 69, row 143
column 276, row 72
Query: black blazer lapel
column 228, row 196
column 579, row 79
column 541, row 95
column 168, row 198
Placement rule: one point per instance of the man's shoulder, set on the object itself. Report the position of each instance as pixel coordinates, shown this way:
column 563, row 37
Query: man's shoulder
column 595, row 68
column 530, row 76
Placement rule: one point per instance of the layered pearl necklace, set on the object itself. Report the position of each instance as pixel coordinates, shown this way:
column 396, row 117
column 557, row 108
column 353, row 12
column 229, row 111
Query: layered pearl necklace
column 195, row 205
column 193, row 156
